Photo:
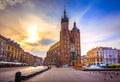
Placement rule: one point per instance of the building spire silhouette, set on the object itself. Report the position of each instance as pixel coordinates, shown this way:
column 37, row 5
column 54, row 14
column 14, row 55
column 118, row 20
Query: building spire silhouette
column 64, row 18
column 65, row 12
column 74, row 24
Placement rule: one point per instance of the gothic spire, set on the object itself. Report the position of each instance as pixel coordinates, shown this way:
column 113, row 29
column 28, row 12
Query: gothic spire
column 65, row 13
column 65, row 18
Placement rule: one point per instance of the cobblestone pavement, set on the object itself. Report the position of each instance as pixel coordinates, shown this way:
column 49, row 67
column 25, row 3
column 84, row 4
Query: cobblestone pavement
column 70, row 75
column 8, row 74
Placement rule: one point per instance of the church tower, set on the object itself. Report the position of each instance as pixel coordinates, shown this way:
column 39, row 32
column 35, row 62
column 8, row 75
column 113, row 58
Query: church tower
column 75, row 45
column 65, row 39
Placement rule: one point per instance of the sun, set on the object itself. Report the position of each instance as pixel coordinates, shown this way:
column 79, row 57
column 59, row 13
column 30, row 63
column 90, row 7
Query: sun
column 33, row 35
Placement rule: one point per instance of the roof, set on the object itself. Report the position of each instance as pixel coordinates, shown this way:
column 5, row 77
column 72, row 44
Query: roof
column 75, row 28
column 57, row 44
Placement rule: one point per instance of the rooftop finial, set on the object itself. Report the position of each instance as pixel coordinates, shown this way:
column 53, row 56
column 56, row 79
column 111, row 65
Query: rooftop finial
column 64, row 11
column 74, row 24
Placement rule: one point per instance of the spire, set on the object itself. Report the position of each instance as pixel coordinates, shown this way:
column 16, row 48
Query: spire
column 65, row 12
column 74, row 24
column 65, row 18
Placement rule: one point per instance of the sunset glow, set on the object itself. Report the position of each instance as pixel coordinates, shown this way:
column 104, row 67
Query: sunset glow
column 35, row 24
column 32, row 34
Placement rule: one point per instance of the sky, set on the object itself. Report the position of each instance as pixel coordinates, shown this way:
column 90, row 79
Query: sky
column 35, row 24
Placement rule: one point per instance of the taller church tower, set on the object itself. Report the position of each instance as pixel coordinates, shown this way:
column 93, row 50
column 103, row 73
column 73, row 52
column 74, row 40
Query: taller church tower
column 65, row 39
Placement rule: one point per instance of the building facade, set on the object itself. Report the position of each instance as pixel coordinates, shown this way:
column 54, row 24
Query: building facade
column 45, row 61
column 11, row 51
column 38, row 60
column 118, row 56
column 14, row 51
column 67, row 50
column 84, row 60
column 110, row 56
column 53, row 54
column 3, row 46
column 95, row 56
column 28, row 58
column 102, row 55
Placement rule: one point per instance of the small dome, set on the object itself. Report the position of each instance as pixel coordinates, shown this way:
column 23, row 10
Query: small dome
column 75, row 28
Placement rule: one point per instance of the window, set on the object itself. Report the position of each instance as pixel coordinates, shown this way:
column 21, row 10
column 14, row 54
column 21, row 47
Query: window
column 65, row 37
column 8, row 47
column 68, row 38
column 114, row 60
column 106, row 59
column 65, row 46
column 97, row 53
column 97, row 59
column 68, row 46
column 97, row 56
column 110, row 60
column 15, row 50
column 66, row 58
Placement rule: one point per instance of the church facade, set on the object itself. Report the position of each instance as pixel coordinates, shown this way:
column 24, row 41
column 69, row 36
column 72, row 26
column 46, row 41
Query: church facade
column 67, row 51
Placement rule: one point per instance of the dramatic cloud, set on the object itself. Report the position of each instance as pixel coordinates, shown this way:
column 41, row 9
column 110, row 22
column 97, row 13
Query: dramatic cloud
column 32, row 31
column 46, row 42
column 35, row 24
column 5, row 3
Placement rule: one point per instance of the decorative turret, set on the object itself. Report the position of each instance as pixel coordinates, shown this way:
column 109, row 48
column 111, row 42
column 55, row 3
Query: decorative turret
column 75, row 28
column 74, row 24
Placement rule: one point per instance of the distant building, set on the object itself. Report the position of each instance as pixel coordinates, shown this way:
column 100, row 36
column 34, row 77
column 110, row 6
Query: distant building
column 38, row 60
column 118, row 56
column 95, row 56
column 45, row 61
column 14, row 51
column 110, row 56
column 84, row 60
column 102, row 55
column 67, row 50
column 28, row 58
column 11, row 51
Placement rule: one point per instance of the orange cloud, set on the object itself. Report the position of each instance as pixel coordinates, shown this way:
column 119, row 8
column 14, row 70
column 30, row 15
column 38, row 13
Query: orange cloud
column 29, row 31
